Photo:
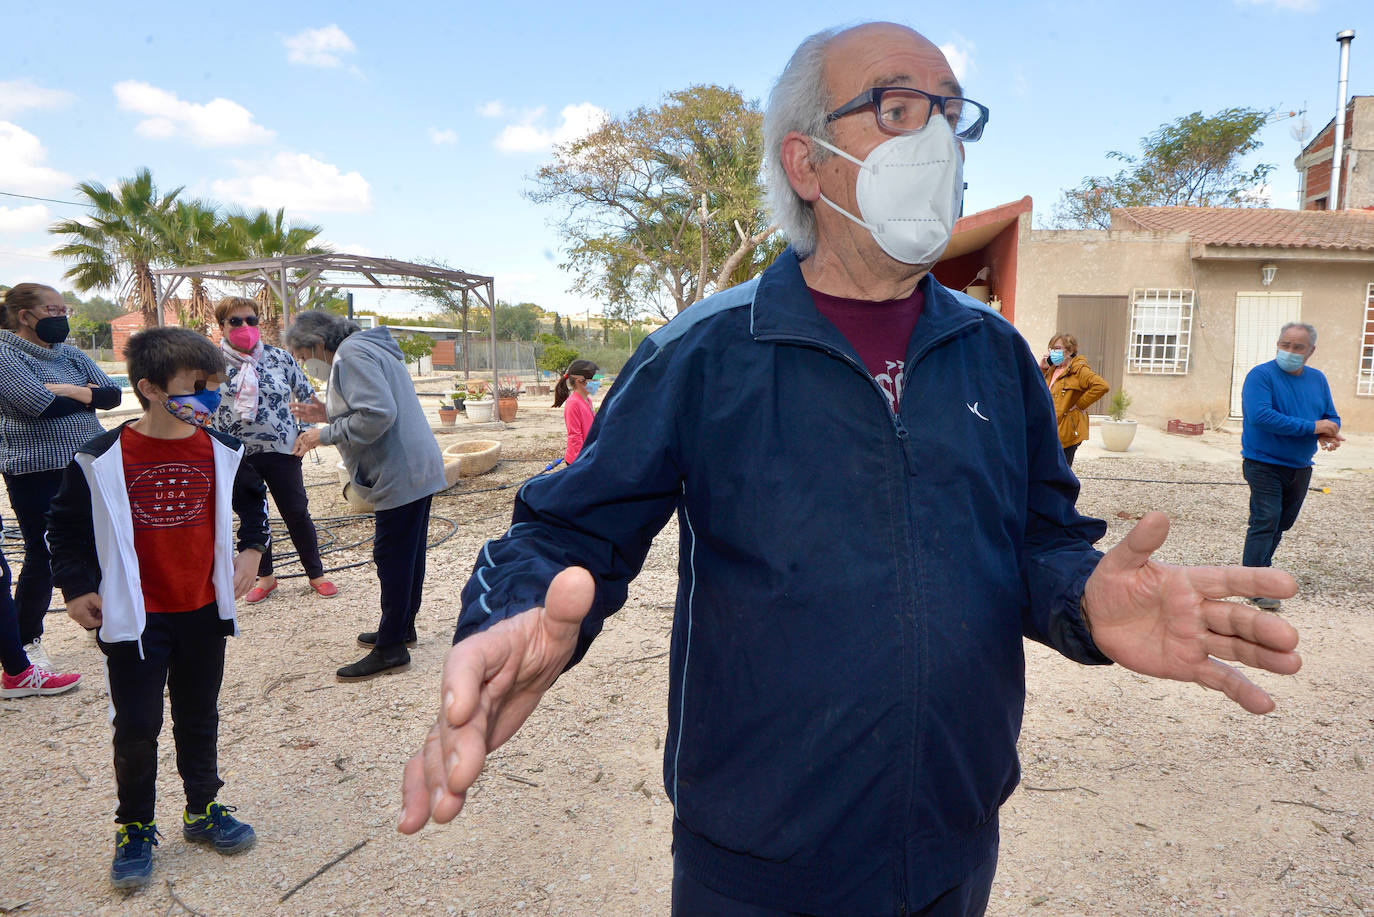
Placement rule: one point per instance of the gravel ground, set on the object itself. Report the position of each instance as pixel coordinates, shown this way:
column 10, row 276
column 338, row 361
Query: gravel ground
column 1138, row 796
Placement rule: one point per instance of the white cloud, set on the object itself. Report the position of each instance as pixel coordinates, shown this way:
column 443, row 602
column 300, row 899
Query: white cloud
column 352, row 248
column 30, row 218
column 530, row 136
column 318, row 47
column 298, row 182
column 1298, row 6
column 441, row 137
column 218, row 122
column 960, row 57
column 21, row 163
column 492, row 109
column 22, row 95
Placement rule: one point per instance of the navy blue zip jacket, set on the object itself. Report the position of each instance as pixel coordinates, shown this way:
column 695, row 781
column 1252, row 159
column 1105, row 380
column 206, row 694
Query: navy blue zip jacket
column 847, row 668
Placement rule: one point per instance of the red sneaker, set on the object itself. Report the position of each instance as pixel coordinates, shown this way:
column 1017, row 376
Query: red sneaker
column 34, row 680
column 325, row 588
column 257, row 593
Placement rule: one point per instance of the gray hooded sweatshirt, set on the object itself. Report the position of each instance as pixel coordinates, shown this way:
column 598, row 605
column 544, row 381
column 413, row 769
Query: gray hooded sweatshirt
column 377, row 423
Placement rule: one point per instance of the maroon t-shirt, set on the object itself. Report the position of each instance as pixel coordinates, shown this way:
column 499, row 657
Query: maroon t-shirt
column 879, row 332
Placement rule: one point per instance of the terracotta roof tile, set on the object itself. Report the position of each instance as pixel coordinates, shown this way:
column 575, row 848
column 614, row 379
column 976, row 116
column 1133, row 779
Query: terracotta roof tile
column 1349, row 230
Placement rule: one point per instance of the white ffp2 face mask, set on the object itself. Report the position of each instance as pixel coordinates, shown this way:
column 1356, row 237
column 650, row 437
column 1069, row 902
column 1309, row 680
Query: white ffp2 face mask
column 910, row 190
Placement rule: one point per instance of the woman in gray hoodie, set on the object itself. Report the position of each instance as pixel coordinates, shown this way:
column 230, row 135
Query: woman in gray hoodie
column 375, row 421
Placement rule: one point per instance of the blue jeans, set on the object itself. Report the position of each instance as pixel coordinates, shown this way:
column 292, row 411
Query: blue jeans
column 30, row 496
column 1276, row 495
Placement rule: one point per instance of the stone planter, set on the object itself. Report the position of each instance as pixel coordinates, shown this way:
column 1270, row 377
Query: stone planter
column 481, row 411
column 463, row 460
column 1117, row 434
column 507, row 407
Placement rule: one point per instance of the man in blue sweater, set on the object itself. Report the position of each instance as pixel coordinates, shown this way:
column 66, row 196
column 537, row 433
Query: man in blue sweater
column 1288, row 413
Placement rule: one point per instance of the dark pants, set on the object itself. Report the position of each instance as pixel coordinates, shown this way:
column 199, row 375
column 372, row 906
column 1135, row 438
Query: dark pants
column 12, row 657
column 30, row 497
column 692, row 899
column 1068, row 453
column 183, row 651
column 282, row 475
column 399, row 553
column 1276, row 495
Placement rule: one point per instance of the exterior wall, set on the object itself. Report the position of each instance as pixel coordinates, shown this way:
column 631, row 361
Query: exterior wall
column 1095, row 262
column 1357, row 179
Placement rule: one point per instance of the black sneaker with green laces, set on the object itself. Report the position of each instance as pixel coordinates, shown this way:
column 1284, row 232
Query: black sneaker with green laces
column 218, row 828
column 133, row 856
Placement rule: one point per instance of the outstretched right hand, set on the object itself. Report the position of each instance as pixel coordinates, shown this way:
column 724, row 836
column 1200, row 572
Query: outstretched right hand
column 492, row 682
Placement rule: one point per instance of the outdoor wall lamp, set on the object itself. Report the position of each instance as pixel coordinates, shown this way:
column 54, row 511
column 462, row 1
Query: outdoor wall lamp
column 1267, row 272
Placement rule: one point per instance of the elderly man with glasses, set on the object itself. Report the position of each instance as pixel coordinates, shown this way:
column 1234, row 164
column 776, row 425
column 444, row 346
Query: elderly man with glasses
column 873, row 511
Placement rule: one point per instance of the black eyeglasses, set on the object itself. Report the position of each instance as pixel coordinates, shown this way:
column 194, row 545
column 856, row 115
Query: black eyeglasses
column 902, row 110
column 250, row 320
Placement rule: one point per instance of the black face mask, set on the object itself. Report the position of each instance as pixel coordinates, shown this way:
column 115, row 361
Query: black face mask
column 52, row 330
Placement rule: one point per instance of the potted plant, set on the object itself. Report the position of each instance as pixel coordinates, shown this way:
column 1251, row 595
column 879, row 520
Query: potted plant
column 460, row 397
column 506, row 402
column 448, row 415
column 1117, row 432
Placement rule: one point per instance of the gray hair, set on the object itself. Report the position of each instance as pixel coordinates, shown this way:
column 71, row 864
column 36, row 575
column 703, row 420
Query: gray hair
column 798, row 103
column 318, row 328
column 1311, row 332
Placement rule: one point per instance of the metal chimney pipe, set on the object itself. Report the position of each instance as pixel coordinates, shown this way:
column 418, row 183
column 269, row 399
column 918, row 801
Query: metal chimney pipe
column 1334, row 200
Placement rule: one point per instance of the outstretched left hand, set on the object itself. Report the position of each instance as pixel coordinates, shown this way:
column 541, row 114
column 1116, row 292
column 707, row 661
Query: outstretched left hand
column 1173, row 622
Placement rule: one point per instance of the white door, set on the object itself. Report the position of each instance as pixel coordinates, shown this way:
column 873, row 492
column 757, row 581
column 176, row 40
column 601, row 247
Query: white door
column 1259, row 318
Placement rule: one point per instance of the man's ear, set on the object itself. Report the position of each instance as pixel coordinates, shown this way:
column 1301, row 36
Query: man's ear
column 801, row 170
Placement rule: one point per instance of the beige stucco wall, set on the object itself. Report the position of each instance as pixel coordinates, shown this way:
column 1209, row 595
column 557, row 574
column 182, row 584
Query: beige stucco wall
column 1055, row 263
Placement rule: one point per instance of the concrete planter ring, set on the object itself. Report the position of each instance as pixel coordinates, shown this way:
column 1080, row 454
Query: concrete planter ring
column 465, row 459
column 350, row 492
column 1117, row 434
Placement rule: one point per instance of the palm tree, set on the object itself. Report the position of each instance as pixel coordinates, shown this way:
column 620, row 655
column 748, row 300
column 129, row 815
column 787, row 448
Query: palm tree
column 262, row 234
column 190, row 233
column 116, row 247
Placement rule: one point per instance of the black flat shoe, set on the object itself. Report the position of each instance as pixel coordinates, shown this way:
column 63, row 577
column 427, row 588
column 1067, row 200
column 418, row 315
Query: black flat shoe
column 377, row 662
column 368, row 638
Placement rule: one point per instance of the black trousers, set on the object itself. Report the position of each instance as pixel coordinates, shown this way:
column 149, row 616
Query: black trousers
column 1068, row 453
column 183, row 651
column 399, row 553
column 30, row 496
column 12, row 657
column 693, row 899
column 282, row 475
column 1276, row 496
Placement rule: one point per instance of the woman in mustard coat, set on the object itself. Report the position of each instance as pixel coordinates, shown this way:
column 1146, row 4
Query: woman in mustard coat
column 1073, row 387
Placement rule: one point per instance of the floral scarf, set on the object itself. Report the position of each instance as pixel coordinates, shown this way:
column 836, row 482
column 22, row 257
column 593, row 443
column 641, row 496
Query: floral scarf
column 246, row 398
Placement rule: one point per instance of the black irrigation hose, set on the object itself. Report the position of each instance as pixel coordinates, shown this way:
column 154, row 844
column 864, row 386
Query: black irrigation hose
column 1093, row 477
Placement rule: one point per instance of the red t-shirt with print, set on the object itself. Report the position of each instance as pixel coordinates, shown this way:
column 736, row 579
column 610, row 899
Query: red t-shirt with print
column 879, row 332
column 172, row 501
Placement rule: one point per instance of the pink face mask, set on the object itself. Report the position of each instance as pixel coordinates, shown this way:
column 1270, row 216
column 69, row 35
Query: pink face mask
column 244, row 337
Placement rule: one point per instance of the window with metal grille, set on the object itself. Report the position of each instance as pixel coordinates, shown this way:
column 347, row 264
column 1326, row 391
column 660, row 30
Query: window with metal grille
column 1365, row 384
column 1161, row 332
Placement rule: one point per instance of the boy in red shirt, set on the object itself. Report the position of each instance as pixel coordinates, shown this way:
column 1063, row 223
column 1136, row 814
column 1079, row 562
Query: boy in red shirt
column 153, row 501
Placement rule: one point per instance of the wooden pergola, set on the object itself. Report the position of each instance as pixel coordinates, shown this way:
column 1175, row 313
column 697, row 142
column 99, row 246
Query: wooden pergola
column 286, row 276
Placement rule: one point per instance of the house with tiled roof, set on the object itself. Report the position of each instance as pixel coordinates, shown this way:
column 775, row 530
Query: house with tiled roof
column 1177, row 304
column 1356, row 187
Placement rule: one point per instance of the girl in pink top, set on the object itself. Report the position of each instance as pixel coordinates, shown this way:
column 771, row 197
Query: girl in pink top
column 574, row 394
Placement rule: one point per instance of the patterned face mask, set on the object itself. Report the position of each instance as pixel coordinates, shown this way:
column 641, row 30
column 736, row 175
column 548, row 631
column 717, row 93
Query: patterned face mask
column 196, row 408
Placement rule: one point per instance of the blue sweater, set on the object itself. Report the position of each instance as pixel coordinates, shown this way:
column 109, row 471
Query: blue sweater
column 1281, row 411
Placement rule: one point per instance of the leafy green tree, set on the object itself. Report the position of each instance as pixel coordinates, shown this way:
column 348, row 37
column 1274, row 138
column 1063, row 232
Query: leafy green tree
column 415, row 346
column 665, row 204
column 1193, row 161
column 519, row 322
column 558, row 331
column 262, row 234
column 119, row 243
column 553, row 356
column 191, row 233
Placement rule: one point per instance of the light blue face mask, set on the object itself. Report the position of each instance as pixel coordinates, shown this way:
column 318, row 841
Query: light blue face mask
column 592, row 386
column 1056, row 357
column 1289, row 362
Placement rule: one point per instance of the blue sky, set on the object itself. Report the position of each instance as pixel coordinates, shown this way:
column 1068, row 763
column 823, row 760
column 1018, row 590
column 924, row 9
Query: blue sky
column 410, row 129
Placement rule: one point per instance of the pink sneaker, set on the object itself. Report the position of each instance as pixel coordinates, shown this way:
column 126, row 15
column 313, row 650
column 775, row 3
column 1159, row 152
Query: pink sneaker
column 34, row 680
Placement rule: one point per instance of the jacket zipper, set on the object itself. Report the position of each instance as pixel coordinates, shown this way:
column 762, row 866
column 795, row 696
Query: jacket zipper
column 903, row 443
